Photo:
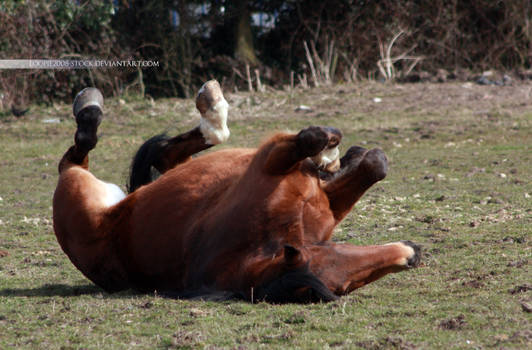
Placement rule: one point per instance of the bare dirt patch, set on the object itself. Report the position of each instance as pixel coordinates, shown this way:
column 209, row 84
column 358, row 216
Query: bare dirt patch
column 454, row 323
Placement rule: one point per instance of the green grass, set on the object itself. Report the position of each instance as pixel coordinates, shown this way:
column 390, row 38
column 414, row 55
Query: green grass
column 459, row 184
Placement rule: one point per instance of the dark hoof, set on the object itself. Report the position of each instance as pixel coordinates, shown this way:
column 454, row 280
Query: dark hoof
column 353, row 156
column 414, row 260
column 311, row 141
column 375, row 165
column 87, row 97
column 315, row 139
column 208, row 96
column 334, row 135
column 87, row 109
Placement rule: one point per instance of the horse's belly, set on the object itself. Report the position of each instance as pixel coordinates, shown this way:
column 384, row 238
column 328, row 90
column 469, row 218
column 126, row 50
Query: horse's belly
column 167, row 212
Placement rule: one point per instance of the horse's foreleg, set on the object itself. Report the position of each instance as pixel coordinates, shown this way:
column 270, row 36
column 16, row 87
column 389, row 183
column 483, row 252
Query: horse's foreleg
column 320, row 144
column 164, row 153
column 360, row 169
column 344, row 267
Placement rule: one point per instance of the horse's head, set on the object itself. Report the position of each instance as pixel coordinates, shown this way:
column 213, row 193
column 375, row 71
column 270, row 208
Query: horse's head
column 287, row 279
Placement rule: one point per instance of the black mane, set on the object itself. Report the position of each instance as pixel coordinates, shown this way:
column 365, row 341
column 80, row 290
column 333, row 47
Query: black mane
column 297, row 286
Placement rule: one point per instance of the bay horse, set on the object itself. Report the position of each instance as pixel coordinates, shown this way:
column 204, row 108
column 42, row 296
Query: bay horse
column 254, row 224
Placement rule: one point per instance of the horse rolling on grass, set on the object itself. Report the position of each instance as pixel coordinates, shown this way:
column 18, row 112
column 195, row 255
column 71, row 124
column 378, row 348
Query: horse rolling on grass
column 254, row 224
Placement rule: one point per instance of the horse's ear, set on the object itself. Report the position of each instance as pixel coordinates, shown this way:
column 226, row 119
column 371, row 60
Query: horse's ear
column 292, row 255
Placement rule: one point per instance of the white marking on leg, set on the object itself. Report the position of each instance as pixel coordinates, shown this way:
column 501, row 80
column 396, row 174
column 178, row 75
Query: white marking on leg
column 407, row 253
column 213, row 124
column 327, row 159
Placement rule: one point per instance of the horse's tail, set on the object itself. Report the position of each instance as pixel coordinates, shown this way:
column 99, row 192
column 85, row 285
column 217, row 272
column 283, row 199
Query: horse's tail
column 147, row 156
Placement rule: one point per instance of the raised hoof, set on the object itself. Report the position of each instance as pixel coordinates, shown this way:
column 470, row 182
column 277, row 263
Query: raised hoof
column 87, row 97
column 374, row 165
column 317, row 138
column 321, row 144
column 87, row 109
column 311, row 141
column 213, row 108
column 334, row 135
column 208, row 96
column 353, row 156
column 415, row 259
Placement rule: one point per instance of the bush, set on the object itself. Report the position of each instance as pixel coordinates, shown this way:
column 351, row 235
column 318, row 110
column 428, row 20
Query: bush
column 333, row 40
column 62, row 29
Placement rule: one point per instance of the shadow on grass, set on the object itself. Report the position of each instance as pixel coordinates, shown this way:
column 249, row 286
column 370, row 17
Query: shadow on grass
column 50, row 290
column 63, row 290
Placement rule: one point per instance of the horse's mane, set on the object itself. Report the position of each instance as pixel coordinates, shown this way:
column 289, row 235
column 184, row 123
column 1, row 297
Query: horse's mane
column 297, row 286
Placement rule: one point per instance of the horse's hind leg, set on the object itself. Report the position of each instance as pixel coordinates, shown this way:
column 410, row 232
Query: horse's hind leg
column 87, row 109
column 73, row 167
column 164, row 153
column 81, row 202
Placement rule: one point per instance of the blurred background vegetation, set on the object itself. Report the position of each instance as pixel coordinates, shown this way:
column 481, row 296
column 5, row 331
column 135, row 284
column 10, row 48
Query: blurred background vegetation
column 297, row 42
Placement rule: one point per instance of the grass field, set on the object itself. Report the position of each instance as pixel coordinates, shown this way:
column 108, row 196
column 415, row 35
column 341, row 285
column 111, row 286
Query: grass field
column 460, row 184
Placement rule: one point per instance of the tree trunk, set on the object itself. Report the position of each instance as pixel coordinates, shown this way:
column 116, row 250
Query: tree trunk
column 244, row 50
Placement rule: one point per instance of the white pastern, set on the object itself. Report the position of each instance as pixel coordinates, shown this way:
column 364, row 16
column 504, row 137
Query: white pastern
column 213, row 124
column 326, row 157
column 407, row 253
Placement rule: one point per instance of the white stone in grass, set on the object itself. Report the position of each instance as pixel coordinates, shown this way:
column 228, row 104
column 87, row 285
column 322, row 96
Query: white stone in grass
column 303, row 108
